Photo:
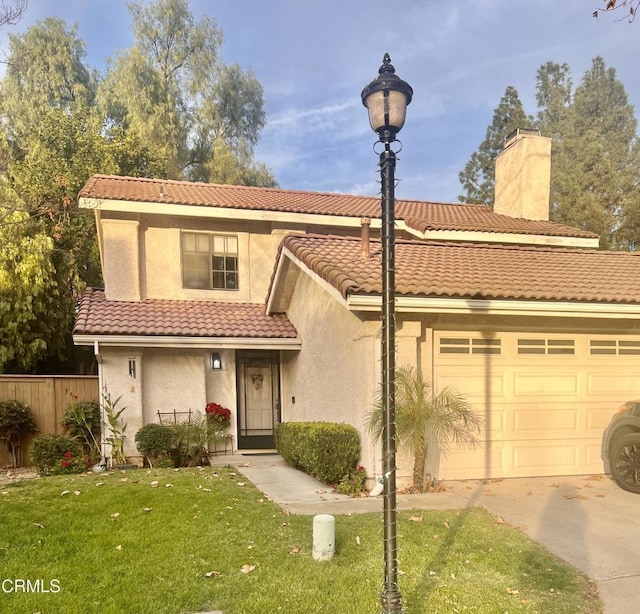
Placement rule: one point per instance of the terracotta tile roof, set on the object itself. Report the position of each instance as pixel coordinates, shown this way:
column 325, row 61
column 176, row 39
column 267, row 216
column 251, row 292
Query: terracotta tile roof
column 421, row 215
column 97, row 316
column 479, row 271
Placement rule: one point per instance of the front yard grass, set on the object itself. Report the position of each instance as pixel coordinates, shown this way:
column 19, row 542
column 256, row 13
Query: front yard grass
column 192, row 540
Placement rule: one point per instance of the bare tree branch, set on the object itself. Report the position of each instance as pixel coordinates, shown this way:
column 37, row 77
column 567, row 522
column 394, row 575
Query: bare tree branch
column 11, row 13
column 616, row 5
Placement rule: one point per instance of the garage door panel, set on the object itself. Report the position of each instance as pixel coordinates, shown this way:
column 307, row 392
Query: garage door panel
column 483, row 462
column 545, row 459
column 474, row 384
column 544, row 424
column 546, row 383
column 598, row 419
column 607, row 383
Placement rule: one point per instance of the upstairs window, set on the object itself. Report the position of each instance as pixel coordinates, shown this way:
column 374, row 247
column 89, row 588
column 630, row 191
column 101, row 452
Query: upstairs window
column 209, row 261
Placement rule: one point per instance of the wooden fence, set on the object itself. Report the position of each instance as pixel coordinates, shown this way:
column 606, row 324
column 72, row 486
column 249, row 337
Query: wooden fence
column 48, row 396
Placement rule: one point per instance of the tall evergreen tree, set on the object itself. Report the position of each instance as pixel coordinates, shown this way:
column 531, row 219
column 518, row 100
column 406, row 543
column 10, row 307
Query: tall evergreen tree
column 478, row 176
column 595, row 165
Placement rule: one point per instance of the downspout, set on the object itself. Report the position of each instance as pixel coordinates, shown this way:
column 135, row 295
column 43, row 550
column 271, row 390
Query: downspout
column 365, row 237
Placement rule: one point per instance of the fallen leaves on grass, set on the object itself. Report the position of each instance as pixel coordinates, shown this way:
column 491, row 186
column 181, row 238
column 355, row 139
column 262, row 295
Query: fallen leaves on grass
column 212, row 574
column 115, row 515
column 154, row 484
column 38, row 525
column 415, row 519
column 294, row 550
column 64, row 492
column 119, row 547
column 147, row 509
column 513, row 591
column 247, row 568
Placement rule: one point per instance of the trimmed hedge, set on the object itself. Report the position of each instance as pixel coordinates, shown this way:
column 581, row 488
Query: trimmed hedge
column 326, row 450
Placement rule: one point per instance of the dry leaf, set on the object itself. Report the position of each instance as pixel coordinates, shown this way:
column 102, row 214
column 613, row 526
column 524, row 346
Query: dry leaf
column 402, row 573
column 260, row 500
column 513, row 591
column 169, row 485
column 64, row 492
column 358, row 540
column 241, row 483
column 76, row 492
column 212, row 574
column 294, row 550
column 99, row 483
column 321, row 492
column 247, row 568
column 206, row 490
column 154, row 484
column 147, row 509
column 250, row 547
column 415, row 519
column 115, row 515
column 124, row 480
column 37, row 524
column 445, row 524
column 118, row 547
column 228, row 507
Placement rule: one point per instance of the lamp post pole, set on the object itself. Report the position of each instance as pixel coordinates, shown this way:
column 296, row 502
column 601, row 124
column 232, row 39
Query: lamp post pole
column 386, row 98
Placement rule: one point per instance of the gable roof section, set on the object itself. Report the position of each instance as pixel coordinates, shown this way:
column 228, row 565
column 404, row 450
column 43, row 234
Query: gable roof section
column 473, row 271
column 419, row 216
column 97, row 316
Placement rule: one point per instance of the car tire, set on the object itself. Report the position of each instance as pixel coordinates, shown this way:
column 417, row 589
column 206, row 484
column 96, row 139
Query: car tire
column 625, row 462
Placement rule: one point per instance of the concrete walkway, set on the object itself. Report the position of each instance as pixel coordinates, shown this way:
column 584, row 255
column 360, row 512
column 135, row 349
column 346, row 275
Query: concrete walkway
column 587, row 521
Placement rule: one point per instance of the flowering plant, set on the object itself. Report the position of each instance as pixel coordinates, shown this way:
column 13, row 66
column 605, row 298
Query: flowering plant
column 218, row 415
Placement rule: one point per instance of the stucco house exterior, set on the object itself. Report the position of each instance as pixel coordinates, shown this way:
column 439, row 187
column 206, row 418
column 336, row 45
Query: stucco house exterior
column 281, row 290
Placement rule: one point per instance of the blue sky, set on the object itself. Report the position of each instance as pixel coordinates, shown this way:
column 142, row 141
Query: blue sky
column 313, row 59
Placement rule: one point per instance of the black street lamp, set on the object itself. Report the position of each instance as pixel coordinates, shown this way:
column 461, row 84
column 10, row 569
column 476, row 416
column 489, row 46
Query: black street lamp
column 386, row 98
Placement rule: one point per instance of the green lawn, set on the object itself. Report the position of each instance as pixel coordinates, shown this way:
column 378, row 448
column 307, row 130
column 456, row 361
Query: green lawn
column 212, row 541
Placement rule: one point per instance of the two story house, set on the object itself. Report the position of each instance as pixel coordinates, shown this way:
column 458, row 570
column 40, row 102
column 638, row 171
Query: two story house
column 268, row 301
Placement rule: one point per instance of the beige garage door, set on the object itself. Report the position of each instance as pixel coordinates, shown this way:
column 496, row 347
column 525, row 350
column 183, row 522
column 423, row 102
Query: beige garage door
column 545, row 399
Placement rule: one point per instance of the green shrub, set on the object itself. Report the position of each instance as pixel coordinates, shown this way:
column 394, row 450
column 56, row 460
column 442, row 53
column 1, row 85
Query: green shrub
column 352, row 484
column 82, row 421
column 16, row 422
column 326, row 450
column 155, row 441
column 57, row 454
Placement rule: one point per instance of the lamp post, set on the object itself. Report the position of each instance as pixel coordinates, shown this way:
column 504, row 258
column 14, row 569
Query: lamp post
column 386, row 99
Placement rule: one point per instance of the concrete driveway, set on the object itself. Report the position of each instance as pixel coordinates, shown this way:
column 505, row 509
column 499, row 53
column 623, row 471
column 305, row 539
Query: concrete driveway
column 587, row 520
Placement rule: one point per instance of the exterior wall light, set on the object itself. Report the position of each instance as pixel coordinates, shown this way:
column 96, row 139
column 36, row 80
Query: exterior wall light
column 216, row 361
column 386, row 99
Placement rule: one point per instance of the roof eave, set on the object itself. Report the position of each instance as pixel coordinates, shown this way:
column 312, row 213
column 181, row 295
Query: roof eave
column 166, row 341
column 498, row 307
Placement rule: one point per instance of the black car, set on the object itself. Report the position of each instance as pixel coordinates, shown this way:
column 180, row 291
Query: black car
column 622, row 446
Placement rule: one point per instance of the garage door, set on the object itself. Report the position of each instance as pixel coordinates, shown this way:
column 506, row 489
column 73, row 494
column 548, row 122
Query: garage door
column 545, row 399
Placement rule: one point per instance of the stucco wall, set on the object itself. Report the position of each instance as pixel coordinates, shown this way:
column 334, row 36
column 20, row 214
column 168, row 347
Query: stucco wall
column 334, row 377
column 121, row 265
column 142, row 258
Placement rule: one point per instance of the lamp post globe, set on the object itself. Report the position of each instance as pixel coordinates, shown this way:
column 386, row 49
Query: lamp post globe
column 386, row 99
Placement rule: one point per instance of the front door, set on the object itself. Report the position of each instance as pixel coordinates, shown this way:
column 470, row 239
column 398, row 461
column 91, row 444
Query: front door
column 258, row 398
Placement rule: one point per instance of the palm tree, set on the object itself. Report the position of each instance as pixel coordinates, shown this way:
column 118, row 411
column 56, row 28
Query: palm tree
column 422, row 417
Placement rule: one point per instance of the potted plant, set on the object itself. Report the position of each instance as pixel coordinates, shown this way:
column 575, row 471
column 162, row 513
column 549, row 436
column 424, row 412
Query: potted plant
column 218, row 419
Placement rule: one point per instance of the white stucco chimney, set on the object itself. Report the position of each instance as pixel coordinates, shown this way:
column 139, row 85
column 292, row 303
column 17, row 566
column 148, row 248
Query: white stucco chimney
column 523, row 175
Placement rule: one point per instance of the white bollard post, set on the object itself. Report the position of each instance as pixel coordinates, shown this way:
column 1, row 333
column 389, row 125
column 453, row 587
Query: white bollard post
column 324, row 537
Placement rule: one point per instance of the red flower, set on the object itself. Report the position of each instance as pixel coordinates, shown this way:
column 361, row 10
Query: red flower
column 67, row 455
column 65, row 464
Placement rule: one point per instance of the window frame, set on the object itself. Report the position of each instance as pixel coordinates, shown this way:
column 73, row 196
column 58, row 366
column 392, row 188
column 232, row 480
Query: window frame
column 222, row 264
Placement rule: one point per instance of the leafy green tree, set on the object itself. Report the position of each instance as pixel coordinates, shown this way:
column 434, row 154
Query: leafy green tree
column 594, row 181
column 35, row 311
column 478, row 176
column 422, row 417
column 16, row 422
column 45, row 70
column 172, row 89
